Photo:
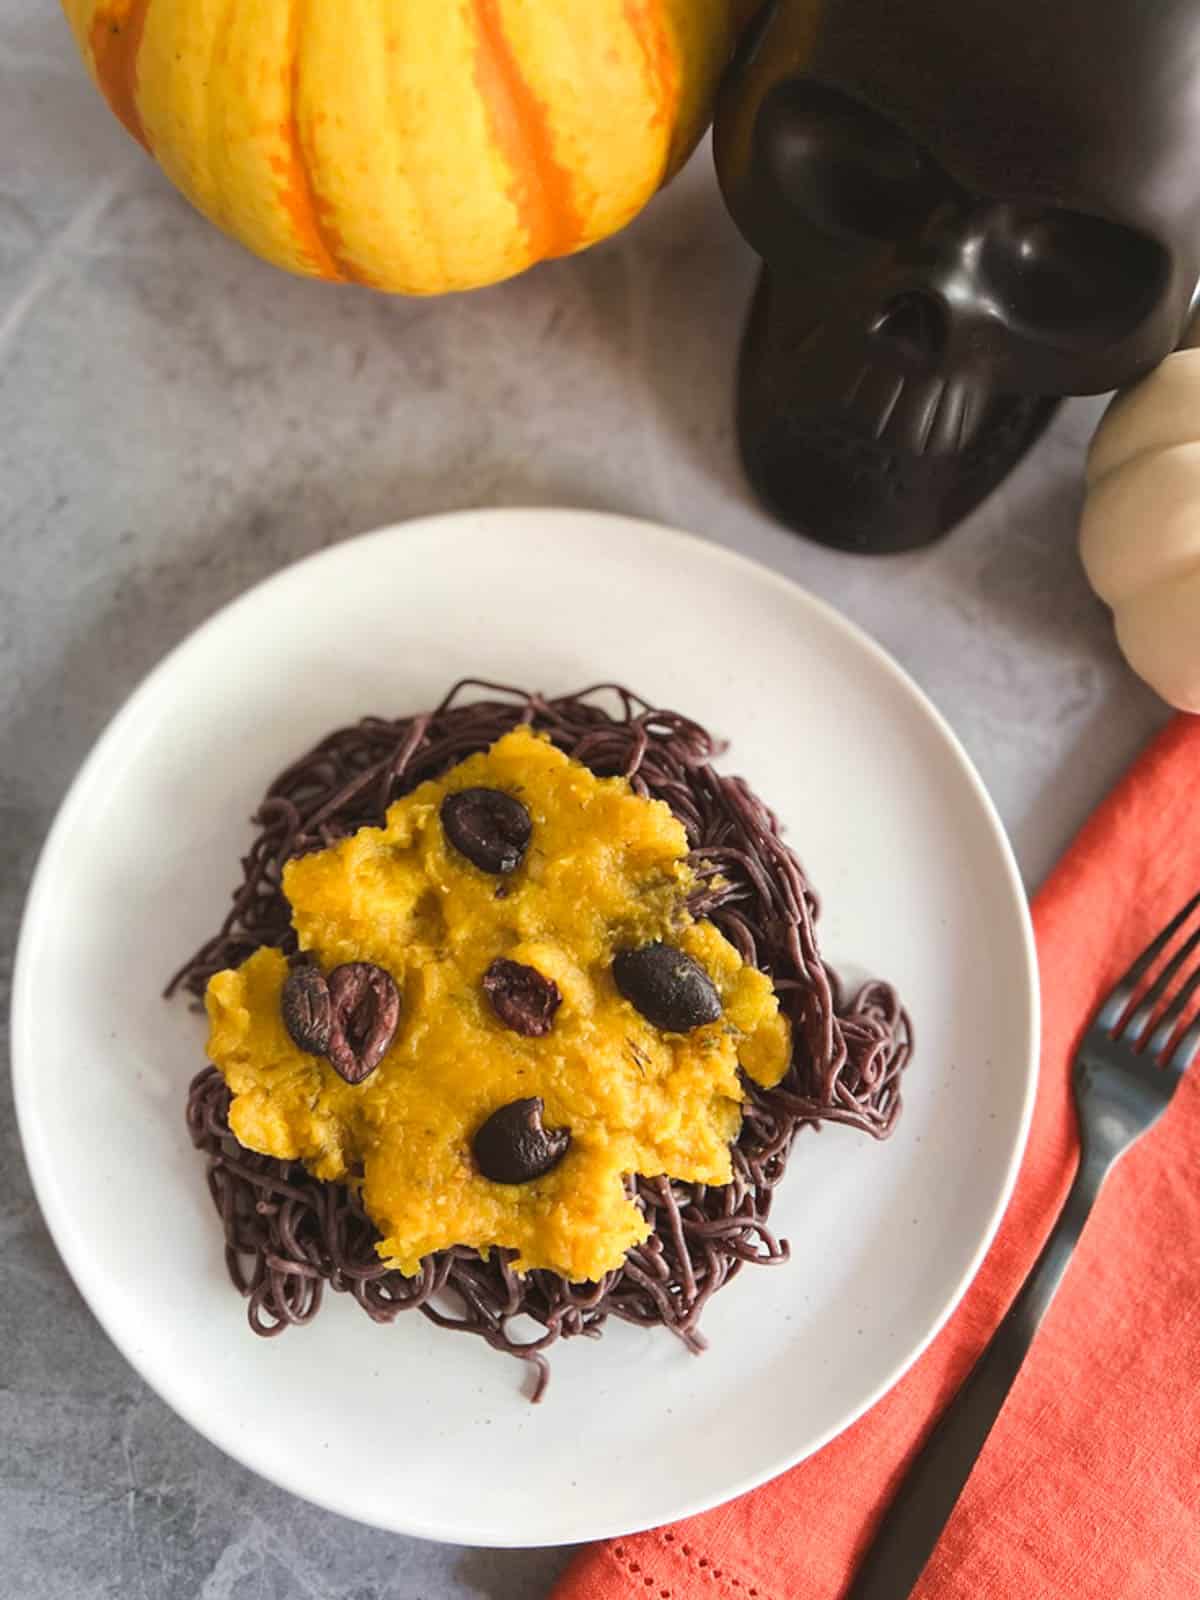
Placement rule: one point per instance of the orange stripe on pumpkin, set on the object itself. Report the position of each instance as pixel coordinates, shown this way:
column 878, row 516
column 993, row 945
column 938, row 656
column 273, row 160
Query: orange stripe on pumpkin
column 541, row 190
column 298, row 193
column 646, row 23
column 115, row 39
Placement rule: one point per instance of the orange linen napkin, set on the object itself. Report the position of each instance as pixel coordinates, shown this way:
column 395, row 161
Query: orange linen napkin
column 1089, row 1488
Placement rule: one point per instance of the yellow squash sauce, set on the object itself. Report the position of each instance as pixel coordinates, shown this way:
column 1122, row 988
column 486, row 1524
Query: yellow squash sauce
column 606, row 870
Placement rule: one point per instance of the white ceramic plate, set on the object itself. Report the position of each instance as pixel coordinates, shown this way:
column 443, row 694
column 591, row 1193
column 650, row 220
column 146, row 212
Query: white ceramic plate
column 426, row 1432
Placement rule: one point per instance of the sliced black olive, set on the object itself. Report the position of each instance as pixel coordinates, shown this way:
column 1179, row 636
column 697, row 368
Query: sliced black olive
column 513, row 1147
column 307, row 1009
column 522, row 997
column 669, row 989
column 366, row 1012
column 491, row 828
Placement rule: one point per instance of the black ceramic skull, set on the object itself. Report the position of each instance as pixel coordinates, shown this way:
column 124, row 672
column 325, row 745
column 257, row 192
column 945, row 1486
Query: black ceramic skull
column 965, row 211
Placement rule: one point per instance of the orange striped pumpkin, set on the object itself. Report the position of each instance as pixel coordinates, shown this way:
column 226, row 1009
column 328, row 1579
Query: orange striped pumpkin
column 414, row 145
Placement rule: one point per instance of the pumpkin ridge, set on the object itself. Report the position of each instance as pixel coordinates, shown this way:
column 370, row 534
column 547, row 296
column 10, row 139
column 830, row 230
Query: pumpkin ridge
column 115, row 39
column 542, row 190
column 298, row 192
column 662, row 72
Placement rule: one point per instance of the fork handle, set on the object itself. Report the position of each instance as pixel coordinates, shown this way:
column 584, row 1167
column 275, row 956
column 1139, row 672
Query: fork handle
column 914, row 1521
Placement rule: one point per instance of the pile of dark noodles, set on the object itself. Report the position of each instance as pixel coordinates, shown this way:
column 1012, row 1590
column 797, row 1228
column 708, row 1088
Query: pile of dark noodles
column 288, row 1235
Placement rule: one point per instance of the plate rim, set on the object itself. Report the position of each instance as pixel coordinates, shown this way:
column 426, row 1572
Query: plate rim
column 40, row 1166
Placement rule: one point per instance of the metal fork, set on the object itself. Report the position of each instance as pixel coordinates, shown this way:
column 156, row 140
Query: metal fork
column 1130, row 1062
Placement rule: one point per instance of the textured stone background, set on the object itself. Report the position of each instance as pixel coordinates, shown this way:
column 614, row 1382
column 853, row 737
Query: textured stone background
column 176, row 421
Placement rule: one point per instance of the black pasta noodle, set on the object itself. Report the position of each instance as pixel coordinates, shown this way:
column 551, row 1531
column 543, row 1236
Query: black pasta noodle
column 289, row 1235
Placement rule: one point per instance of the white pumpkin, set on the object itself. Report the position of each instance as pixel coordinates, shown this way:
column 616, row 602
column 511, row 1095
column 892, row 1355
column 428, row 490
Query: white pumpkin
column 1140, row 535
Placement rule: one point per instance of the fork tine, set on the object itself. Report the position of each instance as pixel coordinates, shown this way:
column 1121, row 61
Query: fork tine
column 1139, row 1022
column 1186, row 1051
column 1121, row 994
column 1169, row 1021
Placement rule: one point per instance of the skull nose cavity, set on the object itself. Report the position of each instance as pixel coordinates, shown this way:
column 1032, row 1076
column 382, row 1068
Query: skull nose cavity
column 913, row 325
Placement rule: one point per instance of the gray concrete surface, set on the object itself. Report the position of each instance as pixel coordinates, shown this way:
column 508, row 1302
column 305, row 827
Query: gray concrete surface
column 178, row 420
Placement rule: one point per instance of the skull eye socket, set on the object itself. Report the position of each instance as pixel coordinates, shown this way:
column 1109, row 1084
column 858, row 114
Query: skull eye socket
column 1074, row 278
column 849, row 171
